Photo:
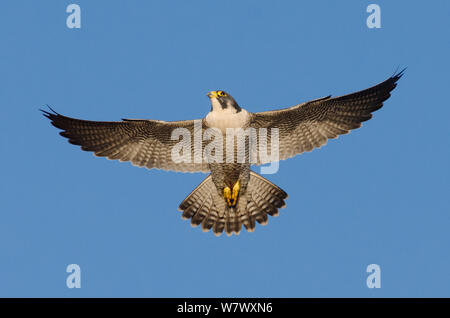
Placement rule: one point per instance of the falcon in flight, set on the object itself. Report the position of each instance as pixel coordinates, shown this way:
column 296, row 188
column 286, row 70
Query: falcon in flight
column 232, row 194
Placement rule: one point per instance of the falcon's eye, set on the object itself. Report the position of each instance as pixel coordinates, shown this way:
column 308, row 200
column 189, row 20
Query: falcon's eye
column 221, row 93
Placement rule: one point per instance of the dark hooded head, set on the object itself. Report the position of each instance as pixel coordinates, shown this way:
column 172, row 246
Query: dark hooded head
column 221, row 100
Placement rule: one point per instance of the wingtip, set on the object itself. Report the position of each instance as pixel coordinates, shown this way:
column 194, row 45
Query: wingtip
column 47, row 113
column 397, row 75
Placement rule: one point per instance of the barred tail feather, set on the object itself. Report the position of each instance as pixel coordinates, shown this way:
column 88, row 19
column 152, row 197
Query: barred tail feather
column 205, row 207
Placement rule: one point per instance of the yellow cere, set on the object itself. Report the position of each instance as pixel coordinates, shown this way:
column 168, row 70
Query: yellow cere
column 215, row 94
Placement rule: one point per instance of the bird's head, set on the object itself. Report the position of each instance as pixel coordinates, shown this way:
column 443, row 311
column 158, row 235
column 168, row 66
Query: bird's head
column 221, row 100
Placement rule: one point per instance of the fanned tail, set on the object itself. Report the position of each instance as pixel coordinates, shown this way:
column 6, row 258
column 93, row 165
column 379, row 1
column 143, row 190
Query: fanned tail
column 206, row 207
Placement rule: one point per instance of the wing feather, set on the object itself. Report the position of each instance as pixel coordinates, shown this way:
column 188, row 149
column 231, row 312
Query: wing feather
column 309, row 125
column 146, row 143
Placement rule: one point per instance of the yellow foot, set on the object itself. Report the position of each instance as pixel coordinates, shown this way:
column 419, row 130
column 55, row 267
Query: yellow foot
column 231, row 196
column 227, row 195
column 235, row 193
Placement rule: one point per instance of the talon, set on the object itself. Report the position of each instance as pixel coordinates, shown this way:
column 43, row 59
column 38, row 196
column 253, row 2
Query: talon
column 227, row 195
column 231, row 195
column 235, row 193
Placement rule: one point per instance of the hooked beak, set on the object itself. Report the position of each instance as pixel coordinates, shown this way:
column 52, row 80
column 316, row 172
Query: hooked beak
column 212, row 94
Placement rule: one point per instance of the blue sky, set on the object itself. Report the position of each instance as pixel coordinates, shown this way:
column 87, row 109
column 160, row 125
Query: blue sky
column 378, row 195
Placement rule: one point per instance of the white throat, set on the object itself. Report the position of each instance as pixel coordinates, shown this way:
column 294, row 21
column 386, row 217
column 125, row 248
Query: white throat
column 216, row 106
column 226, row 118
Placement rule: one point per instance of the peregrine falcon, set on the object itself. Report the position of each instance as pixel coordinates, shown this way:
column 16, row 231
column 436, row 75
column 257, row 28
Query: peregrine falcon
column 232, row 194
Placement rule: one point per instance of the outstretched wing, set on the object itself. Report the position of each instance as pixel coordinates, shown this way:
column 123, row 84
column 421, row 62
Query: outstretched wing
column 146, row 143
column 309, row 125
